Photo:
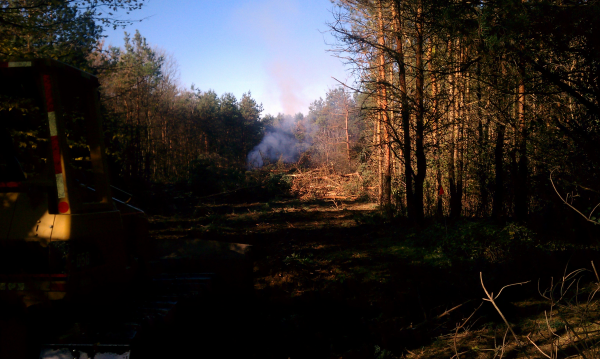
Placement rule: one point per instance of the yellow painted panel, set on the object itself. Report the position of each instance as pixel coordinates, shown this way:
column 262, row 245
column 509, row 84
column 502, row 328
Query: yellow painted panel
column 56, row 295
column 104, row 226
column 62, row 227
column 31, row 220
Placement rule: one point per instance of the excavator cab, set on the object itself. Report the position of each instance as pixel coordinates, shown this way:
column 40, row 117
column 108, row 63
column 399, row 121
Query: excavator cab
column 62, row 235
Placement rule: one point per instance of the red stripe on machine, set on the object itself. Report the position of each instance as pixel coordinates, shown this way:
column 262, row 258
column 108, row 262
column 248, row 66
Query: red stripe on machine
column 48, row 91
column 56, row 154
column 3, row 64
column 10, row 184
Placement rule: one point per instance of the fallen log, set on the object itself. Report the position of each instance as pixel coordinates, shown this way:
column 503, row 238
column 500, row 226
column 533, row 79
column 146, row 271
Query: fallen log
column 340, row 197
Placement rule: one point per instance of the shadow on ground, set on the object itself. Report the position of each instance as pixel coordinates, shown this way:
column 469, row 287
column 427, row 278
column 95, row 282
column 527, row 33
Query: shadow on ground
column 332, row 280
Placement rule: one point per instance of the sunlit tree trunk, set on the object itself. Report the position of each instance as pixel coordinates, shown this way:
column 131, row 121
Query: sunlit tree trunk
column 379, row 158
column 439, row 211
column 386, row 187
column 453, row 147
column 521, row 187
column 347, row 114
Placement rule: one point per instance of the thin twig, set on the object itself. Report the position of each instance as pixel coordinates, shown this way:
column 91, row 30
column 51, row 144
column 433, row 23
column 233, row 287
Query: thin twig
column 455, row 347
column 491, row 299
column 510, row 285
column 538, row 348
column 446, row 313
column 504, row 343
column 568, row 204
column 456, row 355
column 548, row 324
column 595, row 272
column 470, row 316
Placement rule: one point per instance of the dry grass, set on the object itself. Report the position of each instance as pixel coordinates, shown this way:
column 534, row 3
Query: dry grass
column 566, row 326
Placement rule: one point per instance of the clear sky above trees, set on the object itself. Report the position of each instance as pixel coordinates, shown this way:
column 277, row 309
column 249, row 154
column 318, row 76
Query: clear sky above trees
column 276, row 49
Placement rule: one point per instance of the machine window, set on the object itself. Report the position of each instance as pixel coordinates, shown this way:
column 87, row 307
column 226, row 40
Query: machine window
column 10, row 168
column 22, row 149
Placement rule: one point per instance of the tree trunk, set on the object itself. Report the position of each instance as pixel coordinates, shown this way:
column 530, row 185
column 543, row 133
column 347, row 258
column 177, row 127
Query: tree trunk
column 347, row 135
column 453, row 147
column 481, row 154
column 498, row 203
column 379, row 159
column 386, row 199
column 521, row 185
column 439, row 211
column 404, row 110
column 419, row 138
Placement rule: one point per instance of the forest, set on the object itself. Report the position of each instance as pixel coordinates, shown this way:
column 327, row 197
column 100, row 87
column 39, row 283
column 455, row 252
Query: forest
column 465, row 141
column 455, row 109
column 473, row 106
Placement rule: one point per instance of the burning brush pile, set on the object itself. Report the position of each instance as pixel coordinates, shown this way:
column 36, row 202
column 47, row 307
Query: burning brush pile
column 324, row 183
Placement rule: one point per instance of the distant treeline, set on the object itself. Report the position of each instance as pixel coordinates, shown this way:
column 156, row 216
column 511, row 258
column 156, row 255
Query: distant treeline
column 155, row 130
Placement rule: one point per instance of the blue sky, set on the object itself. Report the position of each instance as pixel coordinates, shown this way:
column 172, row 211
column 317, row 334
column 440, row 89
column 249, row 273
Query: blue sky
column 274, row 48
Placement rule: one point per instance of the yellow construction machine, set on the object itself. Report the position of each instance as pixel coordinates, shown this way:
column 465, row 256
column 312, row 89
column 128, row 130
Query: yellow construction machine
column 63, row 237
column 70, row 250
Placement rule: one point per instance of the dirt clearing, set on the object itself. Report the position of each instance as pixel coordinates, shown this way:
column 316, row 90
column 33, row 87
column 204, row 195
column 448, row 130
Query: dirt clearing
column 334, row 280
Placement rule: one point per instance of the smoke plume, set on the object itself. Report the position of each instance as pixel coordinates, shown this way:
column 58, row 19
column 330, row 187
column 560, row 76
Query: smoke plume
column 285, row 141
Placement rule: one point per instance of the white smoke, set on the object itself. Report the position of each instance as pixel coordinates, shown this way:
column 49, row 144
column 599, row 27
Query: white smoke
column 286, row 141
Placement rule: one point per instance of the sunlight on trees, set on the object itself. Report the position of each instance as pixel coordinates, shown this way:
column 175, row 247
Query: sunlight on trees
column 476, row 101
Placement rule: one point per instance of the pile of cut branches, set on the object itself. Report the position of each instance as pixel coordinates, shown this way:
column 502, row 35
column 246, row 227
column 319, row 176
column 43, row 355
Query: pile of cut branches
column 324, row 183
